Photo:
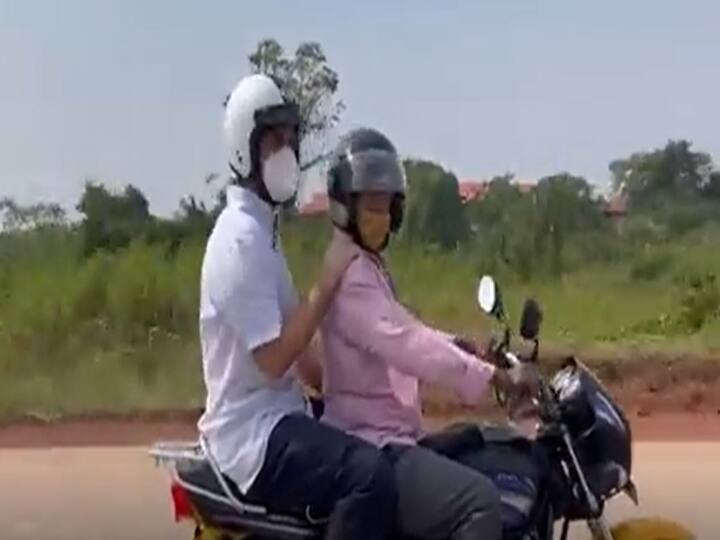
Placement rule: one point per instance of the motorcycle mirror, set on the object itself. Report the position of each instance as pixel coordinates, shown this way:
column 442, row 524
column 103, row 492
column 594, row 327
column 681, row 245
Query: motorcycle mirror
column 488, row 297
column 530, row 320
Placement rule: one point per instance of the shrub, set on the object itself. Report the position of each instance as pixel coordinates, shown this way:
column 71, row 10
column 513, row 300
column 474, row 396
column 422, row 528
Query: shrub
column 651, row 265
column 700, row 301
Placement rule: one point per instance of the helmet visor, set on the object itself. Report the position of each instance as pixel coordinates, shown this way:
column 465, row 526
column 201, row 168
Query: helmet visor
column 376, row 170
column 285, row 114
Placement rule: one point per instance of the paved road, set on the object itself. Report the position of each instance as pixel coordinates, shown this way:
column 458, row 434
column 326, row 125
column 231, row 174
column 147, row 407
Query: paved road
column 116, row 493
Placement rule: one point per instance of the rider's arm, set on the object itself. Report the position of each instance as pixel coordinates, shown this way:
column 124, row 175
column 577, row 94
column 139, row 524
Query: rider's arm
column 275, row 356
column 372, row 320
column 245, row 294
column 310, row 367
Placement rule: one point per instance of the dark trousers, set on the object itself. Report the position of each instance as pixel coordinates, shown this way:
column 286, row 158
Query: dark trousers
column 311, row 468
column 440, row 499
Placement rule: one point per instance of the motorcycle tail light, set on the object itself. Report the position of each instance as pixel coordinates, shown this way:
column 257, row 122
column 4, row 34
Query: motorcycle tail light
column 181, row 502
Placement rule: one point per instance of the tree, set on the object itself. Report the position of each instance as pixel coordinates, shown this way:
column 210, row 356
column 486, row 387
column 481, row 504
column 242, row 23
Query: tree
column 98, row 204
column 134, row 204
column 418, row 200
column 112, row 220
column 435, row 213
column 308, row 80
column 492, row 208
column 565, row 207
column 674, row 188
column 20, row 217
column 712, row 188
column 672, row 172
column 501, row 221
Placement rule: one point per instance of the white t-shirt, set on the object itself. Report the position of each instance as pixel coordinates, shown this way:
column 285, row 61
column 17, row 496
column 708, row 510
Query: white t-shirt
column 246, row 293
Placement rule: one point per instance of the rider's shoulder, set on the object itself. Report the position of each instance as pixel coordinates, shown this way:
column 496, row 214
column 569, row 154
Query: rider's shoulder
column 243, row 233
column 363, row 269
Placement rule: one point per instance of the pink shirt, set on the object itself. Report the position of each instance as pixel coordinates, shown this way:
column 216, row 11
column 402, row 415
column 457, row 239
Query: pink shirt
column 376, row 353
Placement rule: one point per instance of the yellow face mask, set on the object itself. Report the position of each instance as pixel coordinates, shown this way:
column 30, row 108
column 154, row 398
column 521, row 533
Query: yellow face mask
column 374, row 228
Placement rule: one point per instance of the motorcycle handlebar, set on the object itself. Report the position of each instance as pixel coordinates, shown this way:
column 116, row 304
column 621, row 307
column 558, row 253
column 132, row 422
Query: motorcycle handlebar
column 511, row 359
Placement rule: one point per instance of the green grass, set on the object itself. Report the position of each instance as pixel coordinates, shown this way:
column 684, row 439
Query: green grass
column 113, row 332
column 118, row 332
column 109, row 377
column 602, row 303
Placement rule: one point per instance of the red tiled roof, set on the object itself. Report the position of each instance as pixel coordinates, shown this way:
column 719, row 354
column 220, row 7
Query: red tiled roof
column 319, row 204
column 617, row 205
column 470, row 190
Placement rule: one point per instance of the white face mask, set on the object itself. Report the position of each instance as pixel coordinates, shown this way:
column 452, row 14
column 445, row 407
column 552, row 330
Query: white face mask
column 281, row 175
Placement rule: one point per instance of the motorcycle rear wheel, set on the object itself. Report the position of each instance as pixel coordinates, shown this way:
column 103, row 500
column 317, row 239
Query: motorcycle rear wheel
column 209, row 533
column 650, row 529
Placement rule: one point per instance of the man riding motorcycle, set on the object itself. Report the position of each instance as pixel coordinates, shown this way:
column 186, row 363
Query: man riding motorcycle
column 255, row 334
column 376, row 354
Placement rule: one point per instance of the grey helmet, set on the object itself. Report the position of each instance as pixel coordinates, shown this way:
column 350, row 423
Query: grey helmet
column 364, row 160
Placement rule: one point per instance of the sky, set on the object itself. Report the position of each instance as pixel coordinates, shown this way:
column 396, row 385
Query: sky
column 131, row 91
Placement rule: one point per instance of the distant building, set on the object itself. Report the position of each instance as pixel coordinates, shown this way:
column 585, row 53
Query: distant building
column 474, row 190
column 526, row 187
column 616, row 208
column 469, row 191
column 317, row 206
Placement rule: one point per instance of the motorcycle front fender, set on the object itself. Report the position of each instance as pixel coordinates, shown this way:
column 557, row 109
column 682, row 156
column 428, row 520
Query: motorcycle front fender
column 631, row 491
column 650, row 529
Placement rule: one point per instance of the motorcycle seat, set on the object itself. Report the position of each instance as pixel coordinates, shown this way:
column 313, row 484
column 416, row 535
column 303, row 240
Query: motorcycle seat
column 462, row 438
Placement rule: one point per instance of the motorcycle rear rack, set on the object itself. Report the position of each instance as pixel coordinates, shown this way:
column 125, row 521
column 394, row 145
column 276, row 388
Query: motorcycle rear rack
column 169, row 453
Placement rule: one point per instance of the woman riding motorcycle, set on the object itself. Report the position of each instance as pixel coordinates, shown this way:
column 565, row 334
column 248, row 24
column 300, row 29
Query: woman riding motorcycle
column 376, row 354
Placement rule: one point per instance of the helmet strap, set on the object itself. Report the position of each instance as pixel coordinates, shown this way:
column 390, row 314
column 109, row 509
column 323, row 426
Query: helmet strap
column 253, row 181
column 354, row 233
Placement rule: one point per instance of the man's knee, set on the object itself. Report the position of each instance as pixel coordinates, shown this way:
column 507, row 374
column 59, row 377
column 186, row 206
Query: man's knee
column 484, row 494
column 371, row 473
column 482, row 517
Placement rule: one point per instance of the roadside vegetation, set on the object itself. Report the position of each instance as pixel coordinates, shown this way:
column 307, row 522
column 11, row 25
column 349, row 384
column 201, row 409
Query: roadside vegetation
column 100, row 313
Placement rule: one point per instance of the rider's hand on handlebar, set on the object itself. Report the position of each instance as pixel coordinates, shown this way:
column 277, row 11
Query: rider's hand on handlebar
column 467, row 345
column 520, row 380
column 493, row 352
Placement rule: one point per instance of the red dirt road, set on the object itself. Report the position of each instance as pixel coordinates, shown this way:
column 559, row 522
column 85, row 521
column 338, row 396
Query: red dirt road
column 117, row 494
column 91, row 478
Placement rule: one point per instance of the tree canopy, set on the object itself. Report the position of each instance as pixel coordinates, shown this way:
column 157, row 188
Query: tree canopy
column 307, row 79
column 435, row 214
column 672, row 172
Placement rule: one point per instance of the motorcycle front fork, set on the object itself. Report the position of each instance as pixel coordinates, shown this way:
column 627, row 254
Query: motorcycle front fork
column 599, row 529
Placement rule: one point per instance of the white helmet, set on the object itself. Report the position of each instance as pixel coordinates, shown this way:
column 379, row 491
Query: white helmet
column 256, row 104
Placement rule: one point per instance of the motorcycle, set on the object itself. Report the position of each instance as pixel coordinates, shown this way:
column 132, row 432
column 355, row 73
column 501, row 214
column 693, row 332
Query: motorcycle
column 576, row 457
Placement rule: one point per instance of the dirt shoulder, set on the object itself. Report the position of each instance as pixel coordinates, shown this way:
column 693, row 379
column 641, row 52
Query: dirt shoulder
column 666, row 397
column 143, row 430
